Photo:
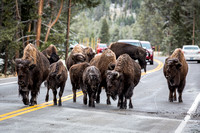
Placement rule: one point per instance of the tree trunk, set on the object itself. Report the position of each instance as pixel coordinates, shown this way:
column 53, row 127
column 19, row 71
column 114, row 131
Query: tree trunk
column 39, row 22
column 51, row 24
column 68, row 26
column 29, row 30
column 6, row 61
column 193, row 28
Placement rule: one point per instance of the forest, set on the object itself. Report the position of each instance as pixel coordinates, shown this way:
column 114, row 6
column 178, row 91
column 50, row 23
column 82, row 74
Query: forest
column 167, row 24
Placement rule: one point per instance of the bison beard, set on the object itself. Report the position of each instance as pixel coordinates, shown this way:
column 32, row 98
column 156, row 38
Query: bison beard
column 175, row 71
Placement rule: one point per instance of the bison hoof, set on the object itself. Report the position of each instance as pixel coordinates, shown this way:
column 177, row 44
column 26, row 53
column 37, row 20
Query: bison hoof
column 130, row 106
column 170, row 99
column 175, row 99
column 108, row 102
column 59, row 103
column 33, row 103
column 98, row 100
column 180, row 100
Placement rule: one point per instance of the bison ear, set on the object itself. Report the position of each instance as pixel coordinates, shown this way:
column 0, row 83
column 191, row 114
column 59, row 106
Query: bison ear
column 32, row 66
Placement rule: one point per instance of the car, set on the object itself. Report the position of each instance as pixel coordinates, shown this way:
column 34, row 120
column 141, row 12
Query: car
column 191, row 52
column 132, row 42
column 101, row 47
column 150, row 51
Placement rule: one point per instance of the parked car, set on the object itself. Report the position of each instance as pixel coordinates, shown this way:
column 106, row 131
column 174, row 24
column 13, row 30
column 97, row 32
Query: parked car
column 132, row 42
column 101, row 47
column 150, row 51
column 191, row 53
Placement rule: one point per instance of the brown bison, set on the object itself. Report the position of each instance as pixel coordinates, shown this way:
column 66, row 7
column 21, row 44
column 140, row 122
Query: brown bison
column 51, row 54
column 32, row 70
column 76, row 77
column 57, row 78
column 135, row 52
column 175, row 71
column 103, row 62
column 89, row 53
column 76, row 56
column 91, row 82
column 122, row 80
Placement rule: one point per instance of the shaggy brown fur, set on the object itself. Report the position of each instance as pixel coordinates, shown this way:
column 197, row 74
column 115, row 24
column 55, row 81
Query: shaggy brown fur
column 135, row 52
column 76, row 74
column 32, row 70
column 89, row 53
column 175, row 70
column 57, row 78
column 76, row 56
column 103, row 63
column 51, row 54
column 122, row 80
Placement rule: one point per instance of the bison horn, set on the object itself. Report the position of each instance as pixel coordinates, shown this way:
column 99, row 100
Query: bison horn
column 117, row 74
column 48, row 56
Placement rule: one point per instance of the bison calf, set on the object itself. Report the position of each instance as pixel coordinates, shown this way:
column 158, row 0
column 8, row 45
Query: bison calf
column 91, row 82
column 57, row 78
column 175, row 71
column 122, row 80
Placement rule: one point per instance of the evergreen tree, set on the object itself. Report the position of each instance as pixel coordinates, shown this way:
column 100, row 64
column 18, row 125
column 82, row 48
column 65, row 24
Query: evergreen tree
column 104, row 34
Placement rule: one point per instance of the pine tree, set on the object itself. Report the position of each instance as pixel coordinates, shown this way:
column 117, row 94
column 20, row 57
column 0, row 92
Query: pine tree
column 104, row 34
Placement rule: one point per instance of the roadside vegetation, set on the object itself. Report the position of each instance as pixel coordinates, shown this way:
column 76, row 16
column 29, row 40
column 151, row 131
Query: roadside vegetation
column 167, row 24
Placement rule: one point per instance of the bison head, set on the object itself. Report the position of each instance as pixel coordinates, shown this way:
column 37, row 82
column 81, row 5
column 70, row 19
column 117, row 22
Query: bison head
column 78, row 58
column 115, row 83
column 24, row 68
column 53, row 58
column 173, row 71
column 142, row 58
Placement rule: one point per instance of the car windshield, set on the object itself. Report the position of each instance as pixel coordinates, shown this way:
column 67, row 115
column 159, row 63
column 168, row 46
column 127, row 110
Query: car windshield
column 146, row 45
column 133, row 43
column 191, row 48
column 102, row 45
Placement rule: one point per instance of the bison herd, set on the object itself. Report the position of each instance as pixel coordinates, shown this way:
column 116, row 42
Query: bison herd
column 115, row 70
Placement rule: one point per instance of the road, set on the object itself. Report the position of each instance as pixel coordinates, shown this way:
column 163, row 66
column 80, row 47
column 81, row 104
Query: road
column 151, row 113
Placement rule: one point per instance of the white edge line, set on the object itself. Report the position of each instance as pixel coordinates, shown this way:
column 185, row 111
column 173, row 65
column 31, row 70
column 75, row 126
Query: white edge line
column 188, row 116
column 8, row 83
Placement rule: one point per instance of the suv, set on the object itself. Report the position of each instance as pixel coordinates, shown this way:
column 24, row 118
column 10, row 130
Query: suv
column 147, row 45
column 132, row 42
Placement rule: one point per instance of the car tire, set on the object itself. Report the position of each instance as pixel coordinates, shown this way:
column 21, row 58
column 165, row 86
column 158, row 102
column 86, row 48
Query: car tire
column 151, row 62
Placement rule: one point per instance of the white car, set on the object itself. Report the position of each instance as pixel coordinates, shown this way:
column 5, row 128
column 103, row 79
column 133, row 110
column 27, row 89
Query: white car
column 191, row 52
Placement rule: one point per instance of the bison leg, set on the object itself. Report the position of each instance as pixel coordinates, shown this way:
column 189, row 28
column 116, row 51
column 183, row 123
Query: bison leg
column 170, row 96
column 74, row 93
column 98, row 95
column 125, row 103
column 92, row 99
column 174, row 97
column 121, row 101
column 47, row 95
column 108, row 100
column 180, row 90
column 33, row 98
column 130, row 103
column 60, row 95
column 54, row 96
column 85, row 98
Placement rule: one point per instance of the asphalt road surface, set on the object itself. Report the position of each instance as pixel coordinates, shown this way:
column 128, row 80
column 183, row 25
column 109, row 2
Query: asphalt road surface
column 151, row 113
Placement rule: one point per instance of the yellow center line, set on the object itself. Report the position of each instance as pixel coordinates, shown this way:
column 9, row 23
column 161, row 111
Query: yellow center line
column 50, row 103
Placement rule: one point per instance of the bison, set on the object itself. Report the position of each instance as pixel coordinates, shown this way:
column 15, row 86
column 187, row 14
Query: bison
column 103, row 62
column 91, row 82
column 175, row 71
column 89, row 53
column 32, row 70
column 51, row 54
column 135, row 52
column 76, row 74
column 76, row 56
column 123, row 79
column 57, row 78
